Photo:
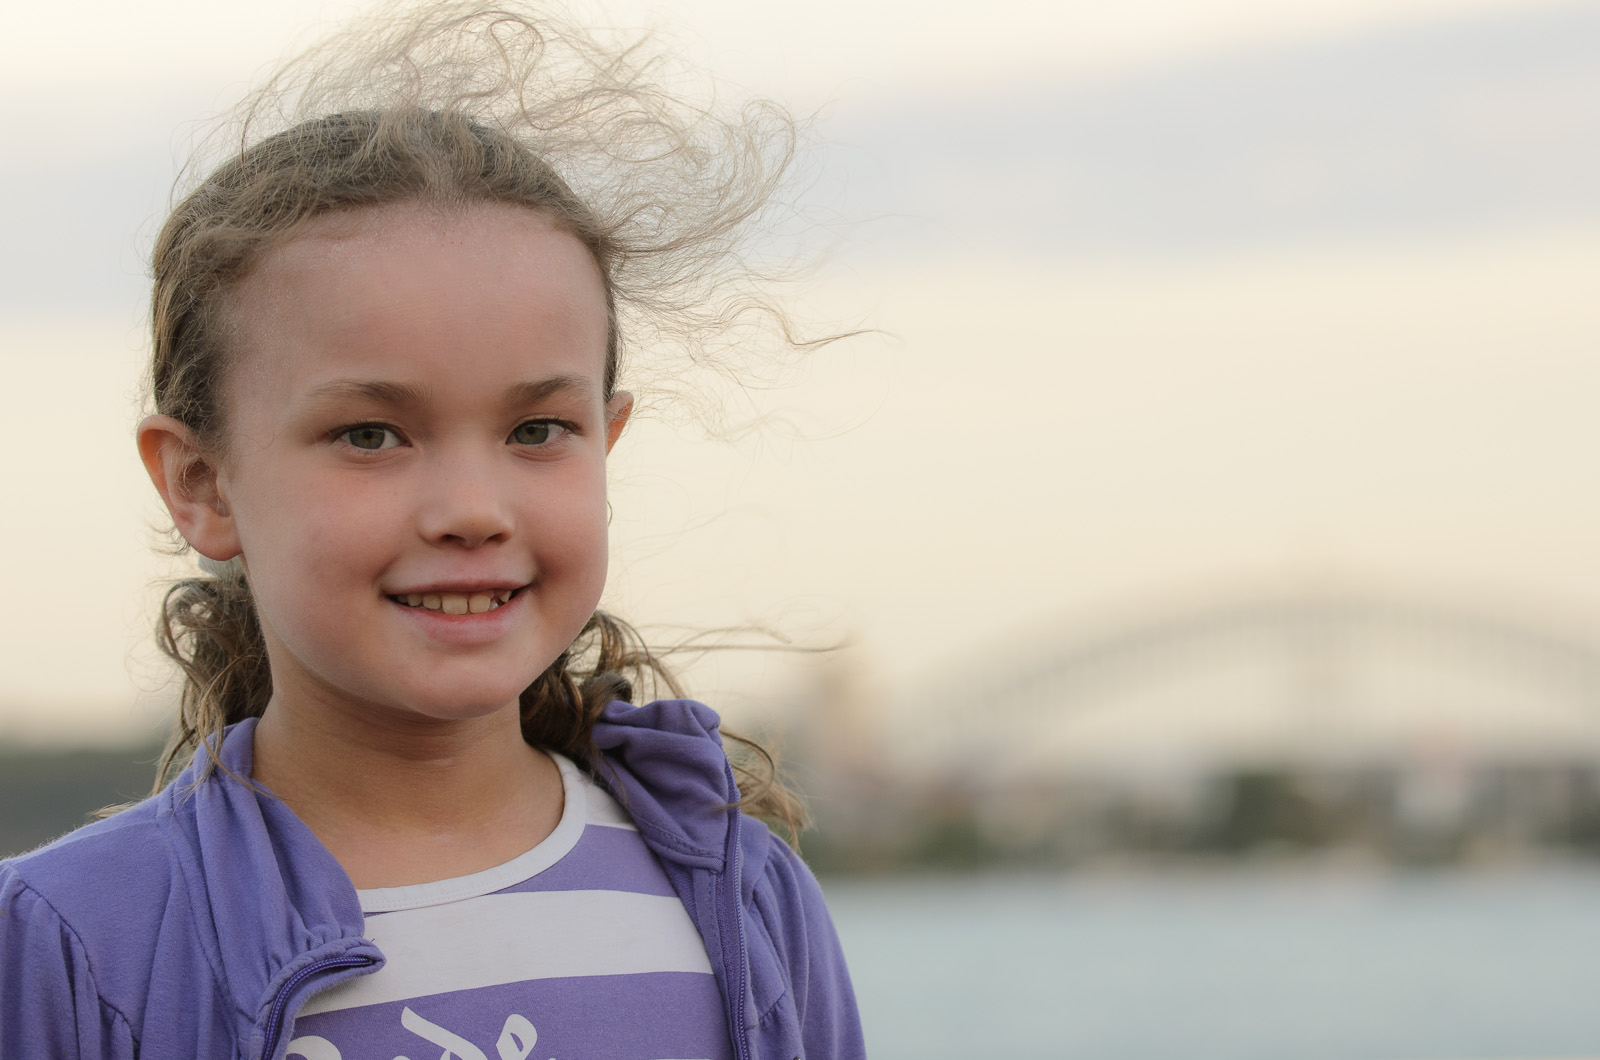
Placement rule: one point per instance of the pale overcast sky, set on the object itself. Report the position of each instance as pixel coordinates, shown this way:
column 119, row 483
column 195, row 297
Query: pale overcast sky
column 809, row 55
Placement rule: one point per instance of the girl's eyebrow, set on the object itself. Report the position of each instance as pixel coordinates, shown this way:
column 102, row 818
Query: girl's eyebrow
column 400, row 395
column 535, row 392
column 405, row 395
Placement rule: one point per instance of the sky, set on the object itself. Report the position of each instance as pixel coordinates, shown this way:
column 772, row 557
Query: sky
column 1170, row 298
column 830, row 49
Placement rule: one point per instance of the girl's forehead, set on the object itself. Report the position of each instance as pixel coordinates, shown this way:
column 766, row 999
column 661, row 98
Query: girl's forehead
column 365, row 241
column 411, row 288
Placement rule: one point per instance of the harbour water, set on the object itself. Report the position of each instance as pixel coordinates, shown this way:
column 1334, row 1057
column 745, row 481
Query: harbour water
column 1228, row 965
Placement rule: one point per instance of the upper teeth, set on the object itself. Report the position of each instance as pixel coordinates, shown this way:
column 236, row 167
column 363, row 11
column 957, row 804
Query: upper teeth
column 458, row 603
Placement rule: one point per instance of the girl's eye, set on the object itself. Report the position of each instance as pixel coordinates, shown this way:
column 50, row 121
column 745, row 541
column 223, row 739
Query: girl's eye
column 537, row 432
column 371, row 436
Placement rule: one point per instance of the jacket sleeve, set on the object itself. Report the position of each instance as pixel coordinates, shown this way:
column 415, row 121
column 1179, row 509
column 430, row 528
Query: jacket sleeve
column 49, row 1006
column 789, row 903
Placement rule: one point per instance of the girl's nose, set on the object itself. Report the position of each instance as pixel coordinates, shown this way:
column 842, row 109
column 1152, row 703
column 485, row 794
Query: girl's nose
column 465, row 505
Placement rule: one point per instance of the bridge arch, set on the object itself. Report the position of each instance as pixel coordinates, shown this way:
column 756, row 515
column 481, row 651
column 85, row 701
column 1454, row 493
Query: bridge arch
column 1309, row 673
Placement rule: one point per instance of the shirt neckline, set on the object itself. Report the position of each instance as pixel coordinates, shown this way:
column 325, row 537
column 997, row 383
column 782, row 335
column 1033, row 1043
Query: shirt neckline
column 546, row 853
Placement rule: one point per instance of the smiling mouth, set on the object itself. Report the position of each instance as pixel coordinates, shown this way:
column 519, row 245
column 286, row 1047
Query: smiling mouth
column 457, row 603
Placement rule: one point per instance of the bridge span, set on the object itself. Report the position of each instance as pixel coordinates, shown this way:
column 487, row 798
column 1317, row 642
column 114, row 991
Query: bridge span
column 1313, row 674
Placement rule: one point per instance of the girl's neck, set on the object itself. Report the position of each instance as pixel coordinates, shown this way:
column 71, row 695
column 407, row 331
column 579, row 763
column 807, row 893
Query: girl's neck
column 399, row 805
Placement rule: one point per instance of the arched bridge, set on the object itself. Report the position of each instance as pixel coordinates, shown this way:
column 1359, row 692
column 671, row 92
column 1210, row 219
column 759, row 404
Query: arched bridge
column 1303, row 673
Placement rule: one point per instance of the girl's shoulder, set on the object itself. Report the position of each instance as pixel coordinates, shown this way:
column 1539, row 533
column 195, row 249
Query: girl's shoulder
column 799, row 979
column 104, row 885
column 80, row 913
column 780, row 890
column 100, row 864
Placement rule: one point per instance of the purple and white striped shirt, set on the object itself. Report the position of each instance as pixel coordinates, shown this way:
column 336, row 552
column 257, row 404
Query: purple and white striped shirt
column 576, row 950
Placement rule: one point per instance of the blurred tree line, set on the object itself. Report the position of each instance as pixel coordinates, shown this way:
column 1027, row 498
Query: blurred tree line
column 44, row 793
column 879, row 824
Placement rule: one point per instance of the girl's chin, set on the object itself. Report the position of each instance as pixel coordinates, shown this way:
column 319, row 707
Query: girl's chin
column 467, row 688
column 446, row 710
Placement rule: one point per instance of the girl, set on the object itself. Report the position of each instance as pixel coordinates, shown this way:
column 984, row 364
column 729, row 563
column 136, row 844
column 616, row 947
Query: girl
column 418, row 814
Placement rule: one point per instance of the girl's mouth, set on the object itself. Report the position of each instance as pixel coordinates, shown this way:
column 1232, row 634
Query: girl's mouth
column 457, row 603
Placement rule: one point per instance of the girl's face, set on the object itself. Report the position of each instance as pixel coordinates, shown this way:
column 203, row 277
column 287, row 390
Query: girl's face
column 415, row 471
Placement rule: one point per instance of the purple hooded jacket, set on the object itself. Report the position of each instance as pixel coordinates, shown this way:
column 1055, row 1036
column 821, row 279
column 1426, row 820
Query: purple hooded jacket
column 196, row 924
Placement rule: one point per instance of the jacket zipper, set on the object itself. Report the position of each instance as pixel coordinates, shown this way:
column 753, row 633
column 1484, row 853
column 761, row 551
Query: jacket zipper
column 731, row 925
column 281, row 1002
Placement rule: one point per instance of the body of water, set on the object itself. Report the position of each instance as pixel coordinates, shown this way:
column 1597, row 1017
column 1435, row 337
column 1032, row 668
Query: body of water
column 1235, row 965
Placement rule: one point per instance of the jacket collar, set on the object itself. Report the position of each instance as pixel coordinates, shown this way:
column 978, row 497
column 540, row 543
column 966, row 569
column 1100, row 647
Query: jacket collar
column 664, row 762
column 274, row 895
column 278, row 900
column 272, row 887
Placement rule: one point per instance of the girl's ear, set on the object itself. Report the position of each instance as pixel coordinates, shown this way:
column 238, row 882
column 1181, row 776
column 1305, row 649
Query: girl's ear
column 617, row 412
column 187, row 482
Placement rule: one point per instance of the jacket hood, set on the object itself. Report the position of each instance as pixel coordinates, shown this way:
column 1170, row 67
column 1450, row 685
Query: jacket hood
column 674, row 778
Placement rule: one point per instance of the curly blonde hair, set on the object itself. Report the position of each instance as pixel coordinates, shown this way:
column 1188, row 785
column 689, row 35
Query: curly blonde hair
column 450, row 105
